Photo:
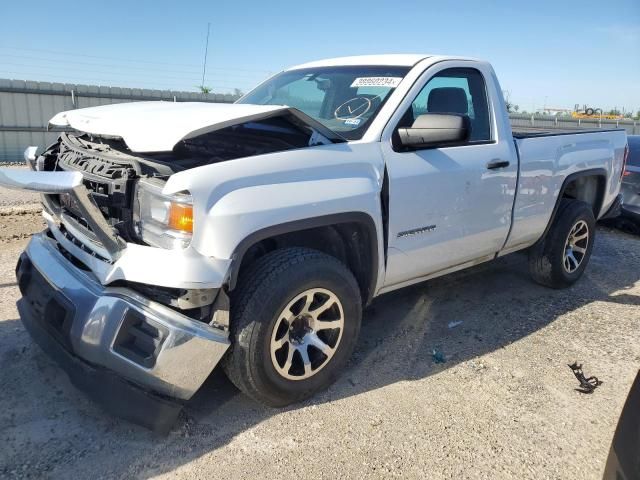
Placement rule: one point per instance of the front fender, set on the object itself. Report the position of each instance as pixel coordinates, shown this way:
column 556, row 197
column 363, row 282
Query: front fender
column 242, row 212
column 233, row 200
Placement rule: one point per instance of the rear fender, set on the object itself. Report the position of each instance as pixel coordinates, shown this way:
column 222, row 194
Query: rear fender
column 600, row 174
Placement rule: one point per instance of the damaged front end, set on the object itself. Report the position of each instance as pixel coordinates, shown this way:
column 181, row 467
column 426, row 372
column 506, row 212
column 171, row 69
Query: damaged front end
column 96, row 222
column 127, row 230
column 116, row 218
column 140, row 352
column 114, row 288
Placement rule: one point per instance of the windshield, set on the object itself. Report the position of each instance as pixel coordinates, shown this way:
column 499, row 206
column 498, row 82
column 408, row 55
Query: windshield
column 344, row 99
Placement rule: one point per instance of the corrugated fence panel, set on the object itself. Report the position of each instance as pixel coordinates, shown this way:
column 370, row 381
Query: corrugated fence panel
column 27, row 106
column 549, row 122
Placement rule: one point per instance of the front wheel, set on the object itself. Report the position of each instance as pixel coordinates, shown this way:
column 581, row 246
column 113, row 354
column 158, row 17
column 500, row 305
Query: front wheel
column 559, row 259
column 295, row 319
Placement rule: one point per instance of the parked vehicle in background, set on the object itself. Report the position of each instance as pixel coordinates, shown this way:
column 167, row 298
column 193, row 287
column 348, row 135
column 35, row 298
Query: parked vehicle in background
column 184, row 235
column 623, row 462
column 628, row 219
column 631, row 185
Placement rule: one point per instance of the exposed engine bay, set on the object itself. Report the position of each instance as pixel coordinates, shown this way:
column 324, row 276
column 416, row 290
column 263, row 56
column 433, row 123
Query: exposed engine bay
column 102, row 155
column 111, row 171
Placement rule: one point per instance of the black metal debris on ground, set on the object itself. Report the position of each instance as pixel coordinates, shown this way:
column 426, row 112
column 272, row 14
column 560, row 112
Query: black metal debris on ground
column 587, row 384
column 438, row 356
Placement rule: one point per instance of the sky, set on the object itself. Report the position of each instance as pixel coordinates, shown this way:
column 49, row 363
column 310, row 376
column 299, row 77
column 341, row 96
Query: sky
column 546, row 53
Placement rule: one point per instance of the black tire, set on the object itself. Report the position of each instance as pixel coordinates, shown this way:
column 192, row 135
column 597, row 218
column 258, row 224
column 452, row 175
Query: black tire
column 547, row 257
column 262, row 293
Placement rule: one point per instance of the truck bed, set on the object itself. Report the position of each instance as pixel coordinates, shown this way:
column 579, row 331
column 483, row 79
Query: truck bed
column 548, row 158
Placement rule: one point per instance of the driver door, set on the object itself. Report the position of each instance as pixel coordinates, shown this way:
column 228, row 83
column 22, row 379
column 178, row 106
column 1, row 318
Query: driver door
column 447, row 206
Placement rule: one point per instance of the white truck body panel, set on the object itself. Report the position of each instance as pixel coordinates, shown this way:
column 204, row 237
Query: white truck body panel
column 393, row 59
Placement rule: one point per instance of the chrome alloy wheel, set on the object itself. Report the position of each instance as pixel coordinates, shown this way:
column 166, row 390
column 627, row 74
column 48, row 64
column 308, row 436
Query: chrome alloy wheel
column 307, row 334
column 576, row 246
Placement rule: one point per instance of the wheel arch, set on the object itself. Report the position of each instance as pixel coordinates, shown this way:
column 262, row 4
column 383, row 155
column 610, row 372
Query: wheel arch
column 355, row 232
column 574, row 180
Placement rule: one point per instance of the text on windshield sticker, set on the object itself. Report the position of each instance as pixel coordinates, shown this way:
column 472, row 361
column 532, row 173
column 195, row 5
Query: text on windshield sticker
column 389, row 82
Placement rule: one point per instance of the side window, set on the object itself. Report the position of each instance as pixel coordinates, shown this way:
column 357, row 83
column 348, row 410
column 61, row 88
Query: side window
column 455, row 90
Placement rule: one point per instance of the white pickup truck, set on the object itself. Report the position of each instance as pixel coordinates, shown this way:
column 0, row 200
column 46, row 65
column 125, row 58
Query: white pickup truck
column 181, row 236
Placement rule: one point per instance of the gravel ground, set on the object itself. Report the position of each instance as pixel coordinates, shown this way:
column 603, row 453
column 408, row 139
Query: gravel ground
column 13, row 200
column 502, row 405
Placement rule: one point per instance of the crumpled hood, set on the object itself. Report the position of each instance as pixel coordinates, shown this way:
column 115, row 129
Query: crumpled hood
column 158, row 126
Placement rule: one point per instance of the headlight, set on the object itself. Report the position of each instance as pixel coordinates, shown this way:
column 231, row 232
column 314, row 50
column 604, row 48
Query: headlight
column 164, row 221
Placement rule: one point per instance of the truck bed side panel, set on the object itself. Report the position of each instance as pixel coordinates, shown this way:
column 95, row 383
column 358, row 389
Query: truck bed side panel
column 545, row 163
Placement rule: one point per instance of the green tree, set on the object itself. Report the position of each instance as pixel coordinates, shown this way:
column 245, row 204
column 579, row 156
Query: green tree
column 204, row 90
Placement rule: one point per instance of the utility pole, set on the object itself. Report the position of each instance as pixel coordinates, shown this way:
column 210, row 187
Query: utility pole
column 206, row 50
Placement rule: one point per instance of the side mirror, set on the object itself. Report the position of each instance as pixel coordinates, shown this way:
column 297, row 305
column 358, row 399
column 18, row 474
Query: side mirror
column 436, row 129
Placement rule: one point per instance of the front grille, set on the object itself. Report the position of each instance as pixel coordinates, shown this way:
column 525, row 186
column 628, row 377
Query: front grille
column 108, row 180
column 78, row 243
column 95, row 166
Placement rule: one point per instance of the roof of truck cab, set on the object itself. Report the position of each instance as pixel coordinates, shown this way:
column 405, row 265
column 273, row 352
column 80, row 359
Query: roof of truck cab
column 396, row 60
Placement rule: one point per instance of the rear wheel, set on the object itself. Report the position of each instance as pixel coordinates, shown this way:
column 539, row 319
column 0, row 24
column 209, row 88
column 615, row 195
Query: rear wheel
column 559, row 259
column 295, row 319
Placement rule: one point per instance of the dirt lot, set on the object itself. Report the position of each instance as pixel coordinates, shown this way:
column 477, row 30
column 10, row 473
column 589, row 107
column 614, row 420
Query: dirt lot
column 502, row 405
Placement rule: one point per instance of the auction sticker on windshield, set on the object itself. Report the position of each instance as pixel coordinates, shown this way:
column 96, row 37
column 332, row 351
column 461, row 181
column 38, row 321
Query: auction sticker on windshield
column 391, row 82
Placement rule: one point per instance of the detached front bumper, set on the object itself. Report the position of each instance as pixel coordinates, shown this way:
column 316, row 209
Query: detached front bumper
column 120, row 347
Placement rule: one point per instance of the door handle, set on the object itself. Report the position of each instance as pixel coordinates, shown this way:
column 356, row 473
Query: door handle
column 497, row 163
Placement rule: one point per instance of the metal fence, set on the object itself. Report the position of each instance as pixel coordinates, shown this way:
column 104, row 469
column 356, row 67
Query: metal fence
column 27, row 106
column 569, row 123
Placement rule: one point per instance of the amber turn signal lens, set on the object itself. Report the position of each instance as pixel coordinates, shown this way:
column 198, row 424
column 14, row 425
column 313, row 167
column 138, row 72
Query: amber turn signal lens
column 181, row 217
